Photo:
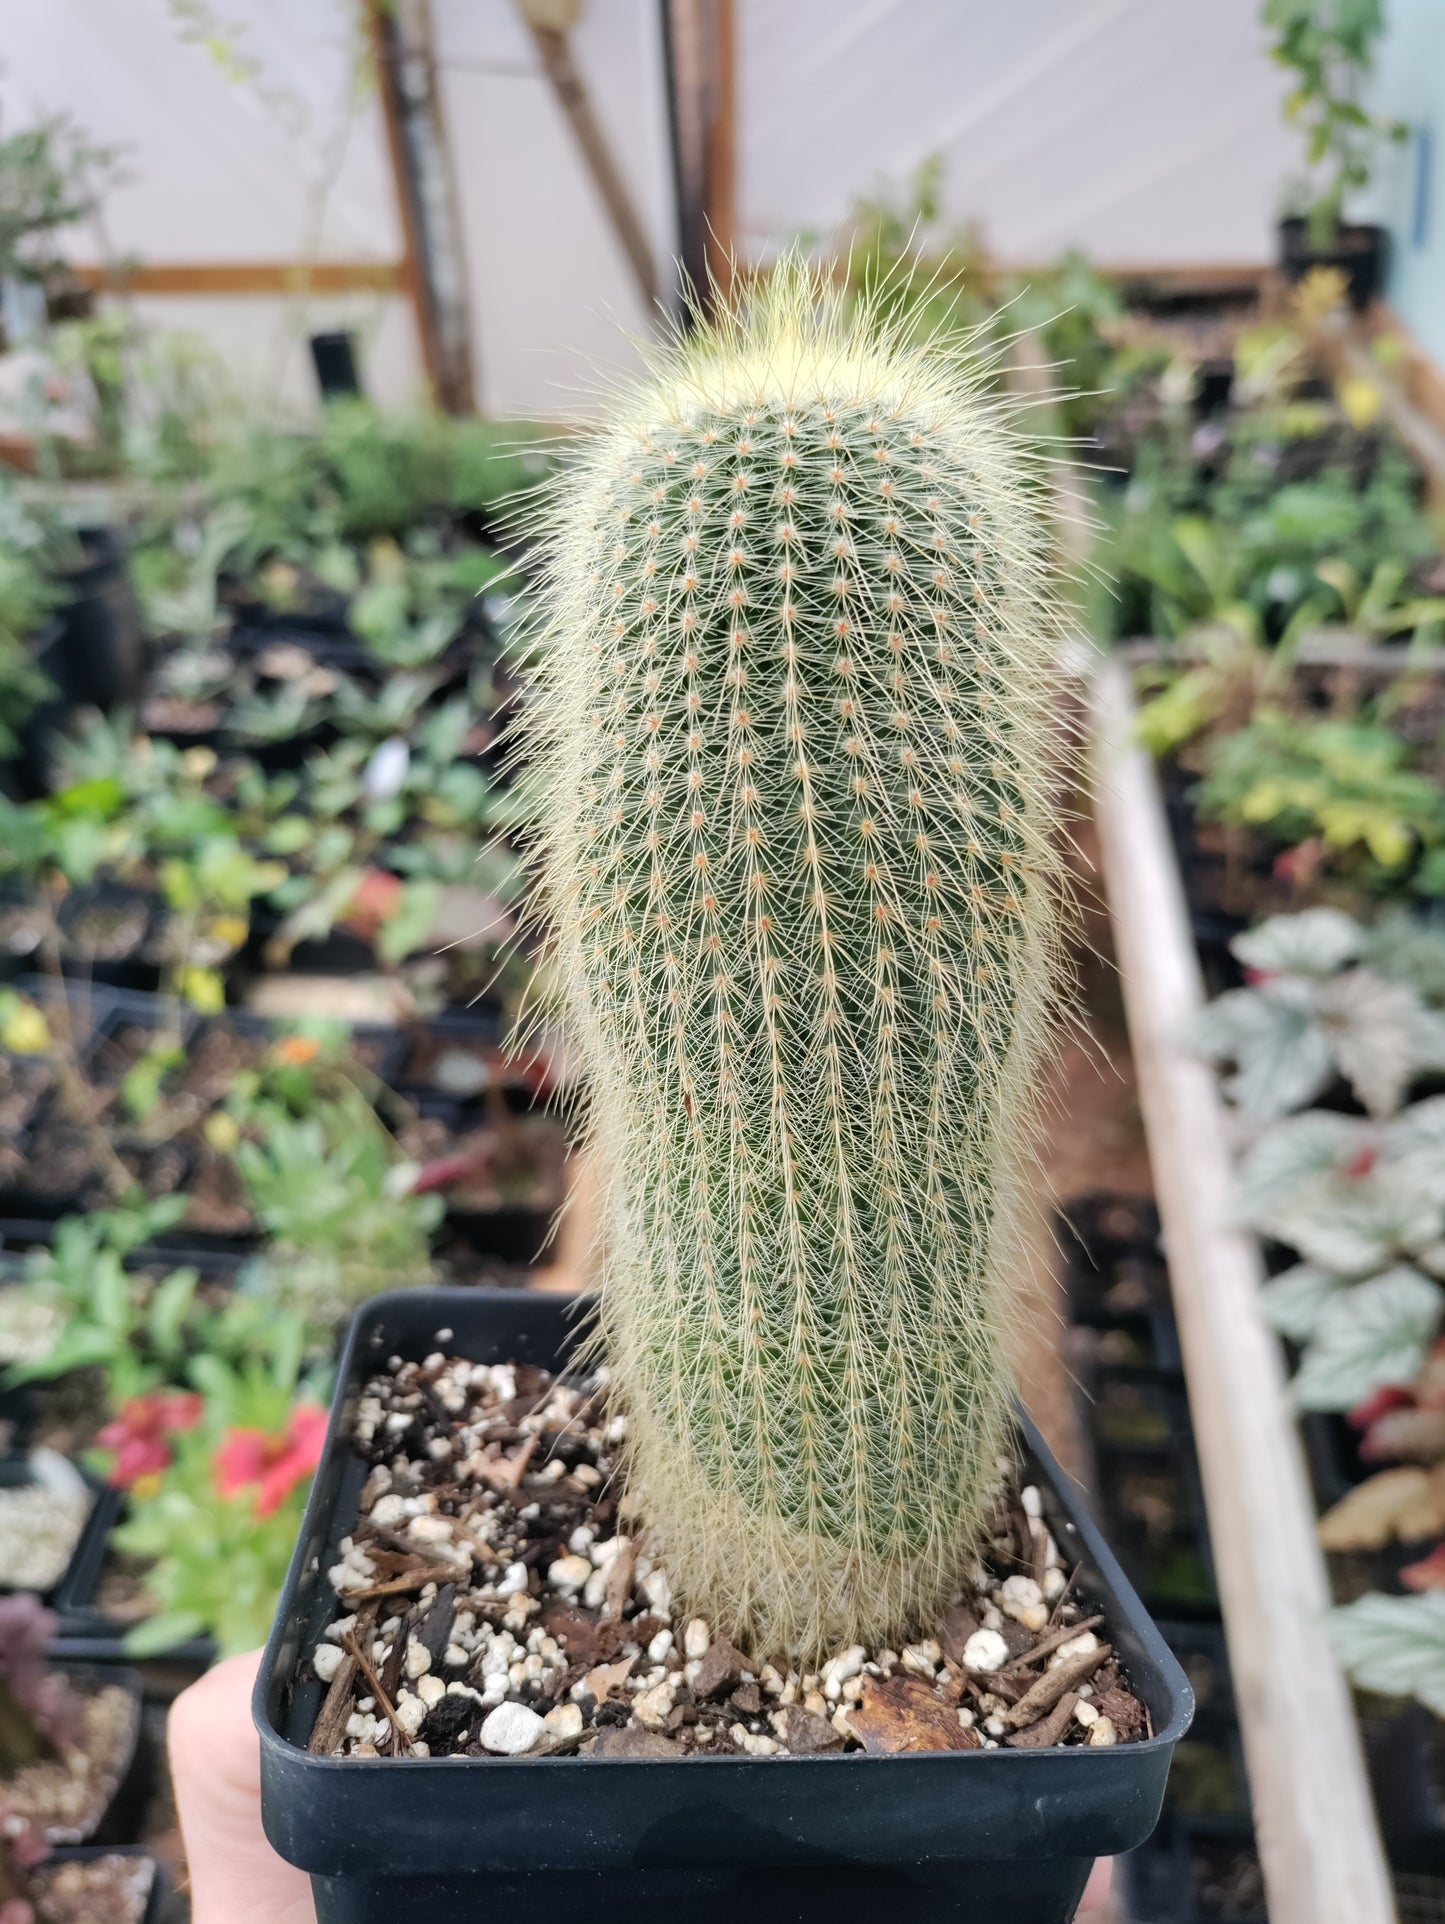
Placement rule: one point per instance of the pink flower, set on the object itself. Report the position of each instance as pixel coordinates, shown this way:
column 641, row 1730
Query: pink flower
column 274, row 1464
column 1428, row 1573
column 138, row 1435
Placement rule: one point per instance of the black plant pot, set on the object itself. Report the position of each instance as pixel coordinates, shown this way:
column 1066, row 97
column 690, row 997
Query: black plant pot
column 1360, row 252
column 153, row 1909
column 1006, row 1836
column 100, row 658
column 1409, row 1781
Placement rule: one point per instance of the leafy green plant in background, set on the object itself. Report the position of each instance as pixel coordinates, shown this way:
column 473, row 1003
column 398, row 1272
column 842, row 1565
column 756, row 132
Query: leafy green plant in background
column 51, row 176
column 938, row 287
column 1395, row 1645
column 1316, row 1011
column 216, row 1527
column 1346, row 788
column 1328, row 48
column 334, row 1197
column 822, row 838
column 1360, row 1199
column 28, row 597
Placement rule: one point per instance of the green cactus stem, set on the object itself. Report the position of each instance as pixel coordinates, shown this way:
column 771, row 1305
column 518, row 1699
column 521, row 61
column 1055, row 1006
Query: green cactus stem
column 801, row 864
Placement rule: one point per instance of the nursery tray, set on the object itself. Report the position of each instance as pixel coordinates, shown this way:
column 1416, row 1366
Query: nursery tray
column 1175, row 1877
column 154, row 1909
column 120, row 1820
column 972, row 1835
column 86, row 1633
column 14, row 1473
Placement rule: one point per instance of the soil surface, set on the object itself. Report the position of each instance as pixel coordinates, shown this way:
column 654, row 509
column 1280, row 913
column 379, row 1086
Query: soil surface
column 39, row 1529
column 492, row 1605
column 68, row 1797
column 114, row 1889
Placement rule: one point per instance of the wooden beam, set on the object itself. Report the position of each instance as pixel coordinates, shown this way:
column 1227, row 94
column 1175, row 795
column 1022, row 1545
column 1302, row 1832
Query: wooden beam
column 246, row 277
column 699, row 51
column 720, row 183
column 554, row 48
column 1317, row 1836
column 412, row 275
column 405, row 57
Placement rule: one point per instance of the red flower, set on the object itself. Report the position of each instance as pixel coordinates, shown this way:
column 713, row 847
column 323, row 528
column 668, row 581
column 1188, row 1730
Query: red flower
column 138, row 1435
column 1394, row 1396
column 275, row 1464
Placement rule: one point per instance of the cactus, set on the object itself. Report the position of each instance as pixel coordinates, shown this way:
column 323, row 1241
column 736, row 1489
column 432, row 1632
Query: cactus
column 793, row 735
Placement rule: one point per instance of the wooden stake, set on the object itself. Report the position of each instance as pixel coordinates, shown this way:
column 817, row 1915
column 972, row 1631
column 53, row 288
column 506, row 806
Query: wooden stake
column 554, row 46
column 1318, row 1841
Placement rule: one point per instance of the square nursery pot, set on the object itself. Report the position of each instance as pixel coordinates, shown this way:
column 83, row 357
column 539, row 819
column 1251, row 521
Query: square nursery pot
column 1005, row 1835
column 130, row 1883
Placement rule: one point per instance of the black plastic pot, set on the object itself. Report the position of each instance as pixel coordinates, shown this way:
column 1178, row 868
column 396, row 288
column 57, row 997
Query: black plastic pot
column 1006, row 1836
column 100, row 658
column 1408, row 1773
column 1194, row 1874
column 1361, row 252
column 326, row 637
column 127, row 970
column 1170, row 1565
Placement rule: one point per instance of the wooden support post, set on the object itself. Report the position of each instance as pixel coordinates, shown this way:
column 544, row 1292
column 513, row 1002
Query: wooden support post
column 432, row 265
column 698, row 38
column 1318, row 1841
column 554, row 46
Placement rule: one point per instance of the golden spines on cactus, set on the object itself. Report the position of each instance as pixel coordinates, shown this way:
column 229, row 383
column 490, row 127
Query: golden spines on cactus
column 793, row 720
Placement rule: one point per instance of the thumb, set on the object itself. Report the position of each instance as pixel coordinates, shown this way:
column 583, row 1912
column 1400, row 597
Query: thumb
column 236, row 1877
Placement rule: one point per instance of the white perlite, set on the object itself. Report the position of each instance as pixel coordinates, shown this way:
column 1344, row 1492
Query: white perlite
column 564, row 1721
column 696, row 1638
column 985, row 1651
column 569, row 1573
column 511, row 1730
column 326, row 1660
column 1023, row 1600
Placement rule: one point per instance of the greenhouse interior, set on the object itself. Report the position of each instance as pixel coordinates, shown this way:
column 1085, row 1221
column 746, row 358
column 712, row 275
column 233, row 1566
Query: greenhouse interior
column 722, row 961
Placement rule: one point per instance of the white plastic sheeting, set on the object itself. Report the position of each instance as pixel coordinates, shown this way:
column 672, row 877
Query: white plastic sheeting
column 1144, row 130
column 255, row 150
column 554, row 301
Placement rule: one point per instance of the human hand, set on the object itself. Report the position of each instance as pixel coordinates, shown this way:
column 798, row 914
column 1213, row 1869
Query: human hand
column 236, row 1877
column 1098, row 1891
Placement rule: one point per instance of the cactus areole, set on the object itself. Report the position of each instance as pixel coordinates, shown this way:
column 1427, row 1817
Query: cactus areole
column 793, row 724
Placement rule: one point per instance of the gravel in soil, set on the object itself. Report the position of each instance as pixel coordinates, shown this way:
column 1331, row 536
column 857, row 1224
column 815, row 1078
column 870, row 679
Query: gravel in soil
column 492, row 1602
column 40, row 1525
column 67, row 1797
column 114, row 1889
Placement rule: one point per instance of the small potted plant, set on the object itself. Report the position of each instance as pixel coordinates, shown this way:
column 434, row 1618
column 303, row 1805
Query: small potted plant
column 1328, row 50
column 52, row 1790
column 762, row 1617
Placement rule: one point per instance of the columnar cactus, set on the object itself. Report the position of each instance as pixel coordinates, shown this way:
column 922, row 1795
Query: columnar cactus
column 799, row 766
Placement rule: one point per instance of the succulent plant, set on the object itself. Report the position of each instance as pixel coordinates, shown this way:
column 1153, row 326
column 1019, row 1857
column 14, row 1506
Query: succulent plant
column 36, row 1704
column 794, row 729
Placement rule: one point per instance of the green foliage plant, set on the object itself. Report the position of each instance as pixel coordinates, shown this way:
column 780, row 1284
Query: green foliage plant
column 1347, row 787
column 1328, row 48
column 797, row 770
